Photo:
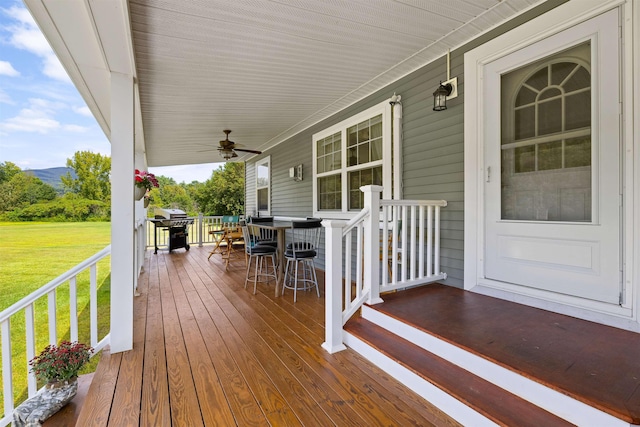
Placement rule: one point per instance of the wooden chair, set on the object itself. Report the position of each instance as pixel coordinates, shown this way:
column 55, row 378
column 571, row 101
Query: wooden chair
column 228, row 222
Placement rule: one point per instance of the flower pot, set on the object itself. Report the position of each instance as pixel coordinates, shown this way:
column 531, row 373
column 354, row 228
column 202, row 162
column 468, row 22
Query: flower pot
column 146, row 203
column 139, row 192
column 49, row 400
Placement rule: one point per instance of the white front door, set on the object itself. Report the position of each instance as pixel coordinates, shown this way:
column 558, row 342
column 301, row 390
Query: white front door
column 552, row 164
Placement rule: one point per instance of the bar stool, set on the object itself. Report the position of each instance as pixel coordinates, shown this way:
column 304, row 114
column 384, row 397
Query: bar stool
column 264, row 236
column 260, row 253
column 301, row 252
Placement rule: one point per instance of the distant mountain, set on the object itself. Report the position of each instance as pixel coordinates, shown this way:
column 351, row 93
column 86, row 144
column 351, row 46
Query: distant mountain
column 51, row 176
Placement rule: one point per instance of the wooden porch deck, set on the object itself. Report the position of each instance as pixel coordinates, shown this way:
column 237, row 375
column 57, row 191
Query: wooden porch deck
column 208, row 352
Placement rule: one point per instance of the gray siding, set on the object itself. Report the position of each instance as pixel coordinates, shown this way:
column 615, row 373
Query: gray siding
column 433, row 150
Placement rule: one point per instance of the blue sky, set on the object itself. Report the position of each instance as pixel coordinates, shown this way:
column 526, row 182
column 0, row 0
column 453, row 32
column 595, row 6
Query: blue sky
column 43, row 118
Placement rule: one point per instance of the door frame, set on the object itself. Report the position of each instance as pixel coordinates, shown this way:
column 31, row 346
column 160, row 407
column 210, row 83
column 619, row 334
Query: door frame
column 553, row 22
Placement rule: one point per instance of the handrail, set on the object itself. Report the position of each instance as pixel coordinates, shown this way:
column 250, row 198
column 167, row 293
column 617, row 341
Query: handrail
column 353, row 222
column 40, row 292
column 441, row 203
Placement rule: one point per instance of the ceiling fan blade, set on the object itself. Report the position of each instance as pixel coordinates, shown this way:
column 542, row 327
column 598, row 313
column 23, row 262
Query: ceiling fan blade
column 248, row 151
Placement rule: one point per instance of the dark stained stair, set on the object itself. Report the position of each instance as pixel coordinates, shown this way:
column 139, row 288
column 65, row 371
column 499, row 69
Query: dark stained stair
column 498, row 405
column 591, row 366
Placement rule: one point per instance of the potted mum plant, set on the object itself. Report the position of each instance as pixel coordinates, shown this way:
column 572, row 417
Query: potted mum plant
column 144, row 182
column 59, row 364
column 59, row 367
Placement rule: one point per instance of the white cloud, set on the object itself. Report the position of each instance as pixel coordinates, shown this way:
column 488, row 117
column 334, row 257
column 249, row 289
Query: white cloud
column 76, row 128
column 7, row 69
column 38, row 117
column 26, row 35
column 5, row 98
column 187, row 173
column 83, row 111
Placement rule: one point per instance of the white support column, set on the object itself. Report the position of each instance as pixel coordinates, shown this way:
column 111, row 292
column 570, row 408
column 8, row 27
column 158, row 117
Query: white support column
column 123, row 257
column 372, row 242
column 333, row 286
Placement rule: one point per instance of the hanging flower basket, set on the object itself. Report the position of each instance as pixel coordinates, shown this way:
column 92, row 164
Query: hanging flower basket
column 139, row 193
column 144, row 182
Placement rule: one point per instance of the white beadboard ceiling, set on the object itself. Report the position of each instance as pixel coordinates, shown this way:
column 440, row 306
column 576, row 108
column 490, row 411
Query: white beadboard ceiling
column 266, row 69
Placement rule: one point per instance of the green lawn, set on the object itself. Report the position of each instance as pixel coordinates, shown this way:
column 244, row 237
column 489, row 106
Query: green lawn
column 31, row 255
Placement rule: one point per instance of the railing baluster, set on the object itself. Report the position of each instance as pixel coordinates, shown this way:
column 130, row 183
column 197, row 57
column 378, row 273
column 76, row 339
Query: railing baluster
column 394, row 244
column 7, row 372
column 73, row 309
column 359, row 251
column 93, row 304
column 384, row 245
column 421, row 244
column 429, row 241
column 347, row 270
column 29, row 322
column 403, row 242
column 436, row 255
column 413, row 243
column 53, row 320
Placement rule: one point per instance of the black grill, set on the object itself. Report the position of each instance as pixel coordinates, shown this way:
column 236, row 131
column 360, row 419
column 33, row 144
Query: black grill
column 175, row 222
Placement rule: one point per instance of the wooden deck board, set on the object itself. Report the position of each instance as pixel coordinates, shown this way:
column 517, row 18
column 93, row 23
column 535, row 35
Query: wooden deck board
column 185, row 409
column 374, row 405
column 208, row 352
column 97, row 405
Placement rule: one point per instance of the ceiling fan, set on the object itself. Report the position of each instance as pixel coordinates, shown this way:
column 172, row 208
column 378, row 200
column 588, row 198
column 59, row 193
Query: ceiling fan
column 228, row 148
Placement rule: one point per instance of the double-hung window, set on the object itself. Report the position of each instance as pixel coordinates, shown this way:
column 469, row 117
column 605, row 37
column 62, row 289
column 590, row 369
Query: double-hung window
column 353, row 153
column 263, row 180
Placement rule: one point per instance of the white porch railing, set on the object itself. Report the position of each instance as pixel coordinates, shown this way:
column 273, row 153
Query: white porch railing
column 389, row 245
column 27, row 305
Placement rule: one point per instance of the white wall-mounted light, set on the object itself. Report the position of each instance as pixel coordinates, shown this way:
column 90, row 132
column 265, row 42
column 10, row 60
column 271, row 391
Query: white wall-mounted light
column 446, row 90
column 295, row 172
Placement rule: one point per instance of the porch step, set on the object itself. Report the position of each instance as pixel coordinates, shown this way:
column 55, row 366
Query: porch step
column 490, row 401
column 583, row 372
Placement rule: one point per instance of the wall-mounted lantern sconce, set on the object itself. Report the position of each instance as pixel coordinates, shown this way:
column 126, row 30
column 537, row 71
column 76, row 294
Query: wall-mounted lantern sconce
column 446, row 90
column 440, row 96
column 296, row 173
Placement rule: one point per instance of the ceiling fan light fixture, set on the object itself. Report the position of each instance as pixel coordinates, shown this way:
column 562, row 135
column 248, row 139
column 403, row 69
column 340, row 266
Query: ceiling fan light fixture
column 227, row 154
column 228, row 148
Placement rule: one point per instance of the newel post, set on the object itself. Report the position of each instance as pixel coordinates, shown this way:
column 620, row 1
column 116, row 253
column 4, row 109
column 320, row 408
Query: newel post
column 371, row 244
column 200, row 229
column 333, row 286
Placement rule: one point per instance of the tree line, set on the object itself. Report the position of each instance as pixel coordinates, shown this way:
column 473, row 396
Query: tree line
column 86, row 196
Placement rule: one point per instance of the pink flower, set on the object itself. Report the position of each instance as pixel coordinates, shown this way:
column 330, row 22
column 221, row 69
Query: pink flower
column 144, row 179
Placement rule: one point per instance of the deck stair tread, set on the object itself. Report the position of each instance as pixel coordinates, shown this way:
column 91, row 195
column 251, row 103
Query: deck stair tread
column 590, row 362
column 493, row 402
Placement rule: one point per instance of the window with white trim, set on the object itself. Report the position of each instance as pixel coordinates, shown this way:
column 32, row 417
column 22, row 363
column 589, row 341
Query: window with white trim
column 263, row 186
column 355, row 152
